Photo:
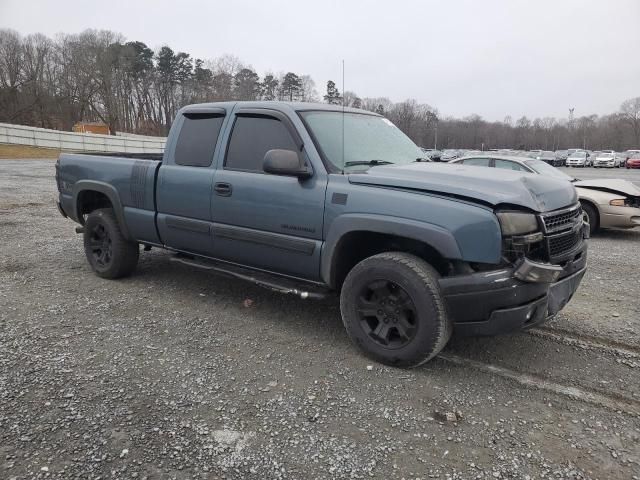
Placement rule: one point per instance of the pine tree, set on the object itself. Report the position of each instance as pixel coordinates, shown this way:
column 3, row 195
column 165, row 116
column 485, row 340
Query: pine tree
column 291, row 85
column 333, row 95
column 247, row 84
column 269, row 87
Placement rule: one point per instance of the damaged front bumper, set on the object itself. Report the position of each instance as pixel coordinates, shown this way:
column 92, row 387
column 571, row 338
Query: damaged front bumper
column 511, row 299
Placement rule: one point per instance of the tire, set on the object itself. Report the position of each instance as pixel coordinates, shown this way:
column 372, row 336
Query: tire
column 392, row 308
column 108, row 252
column 594, row 218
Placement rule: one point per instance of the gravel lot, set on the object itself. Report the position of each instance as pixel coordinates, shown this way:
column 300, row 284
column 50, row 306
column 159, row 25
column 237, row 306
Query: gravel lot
column 177, row 373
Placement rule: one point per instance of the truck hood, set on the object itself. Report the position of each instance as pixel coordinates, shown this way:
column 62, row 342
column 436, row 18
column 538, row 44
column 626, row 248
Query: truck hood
column 610, row 185
column 484, row 185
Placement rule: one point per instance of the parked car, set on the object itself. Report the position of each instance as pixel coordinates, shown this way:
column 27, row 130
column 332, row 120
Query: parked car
column 432, row 154
column 606, row 159
column 548, row 157
column 449, row 154
column 561, row 157
column 272, row 193
column 633, row 161
column 622, row 158
column 606, row 202
column 578, row 158
column 628, row 154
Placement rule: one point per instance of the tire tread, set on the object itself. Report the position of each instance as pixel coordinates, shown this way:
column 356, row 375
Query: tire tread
column 125, row 253
column 429, row 276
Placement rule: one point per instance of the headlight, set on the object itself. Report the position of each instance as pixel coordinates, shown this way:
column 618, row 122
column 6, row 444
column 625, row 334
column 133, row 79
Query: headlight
column 517, row 223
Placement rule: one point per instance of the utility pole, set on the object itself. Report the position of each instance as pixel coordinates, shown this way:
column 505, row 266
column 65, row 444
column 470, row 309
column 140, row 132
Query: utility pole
column 435, row 140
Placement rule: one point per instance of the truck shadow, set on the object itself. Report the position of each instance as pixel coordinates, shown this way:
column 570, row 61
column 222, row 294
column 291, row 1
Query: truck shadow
column 313, row 320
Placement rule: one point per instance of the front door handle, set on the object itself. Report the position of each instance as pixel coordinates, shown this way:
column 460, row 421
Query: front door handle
column 223, row 189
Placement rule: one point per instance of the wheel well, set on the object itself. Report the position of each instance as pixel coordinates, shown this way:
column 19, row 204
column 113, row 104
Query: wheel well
column 356, row 246
column 90, row 200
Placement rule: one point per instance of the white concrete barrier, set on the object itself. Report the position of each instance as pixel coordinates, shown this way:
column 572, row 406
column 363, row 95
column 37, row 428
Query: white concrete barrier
column 85, row 142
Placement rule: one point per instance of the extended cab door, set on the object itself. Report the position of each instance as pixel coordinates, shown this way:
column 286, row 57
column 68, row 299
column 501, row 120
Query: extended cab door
column 185, row 182
column 273, row 222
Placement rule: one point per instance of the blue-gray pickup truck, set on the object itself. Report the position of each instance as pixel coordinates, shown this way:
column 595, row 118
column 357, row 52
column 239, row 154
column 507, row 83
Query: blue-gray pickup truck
column 315, row 200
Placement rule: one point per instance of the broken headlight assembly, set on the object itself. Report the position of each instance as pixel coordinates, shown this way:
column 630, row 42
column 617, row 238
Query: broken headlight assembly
column 521, row 235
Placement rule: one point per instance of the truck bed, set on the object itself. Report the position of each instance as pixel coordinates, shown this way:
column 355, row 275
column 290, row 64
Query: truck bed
column 141, row 156
column 127, row 181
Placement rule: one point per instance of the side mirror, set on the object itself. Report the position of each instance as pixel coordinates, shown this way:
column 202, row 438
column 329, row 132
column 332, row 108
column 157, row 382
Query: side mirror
column 285, row 162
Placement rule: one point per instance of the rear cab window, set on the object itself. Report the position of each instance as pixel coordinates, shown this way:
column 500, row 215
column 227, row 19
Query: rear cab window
column 197, row 139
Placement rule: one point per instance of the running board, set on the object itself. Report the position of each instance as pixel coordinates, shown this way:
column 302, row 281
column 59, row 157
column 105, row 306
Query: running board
column 264, row 279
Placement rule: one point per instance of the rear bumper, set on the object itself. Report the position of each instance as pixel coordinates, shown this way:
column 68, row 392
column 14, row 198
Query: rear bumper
column 511, row 299
column 61, row 210
column 66, row 207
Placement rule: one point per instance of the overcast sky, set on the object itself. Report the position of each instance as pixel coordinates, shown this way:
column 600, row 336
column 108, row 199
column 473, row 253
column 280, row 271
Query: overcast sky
column 490, row 57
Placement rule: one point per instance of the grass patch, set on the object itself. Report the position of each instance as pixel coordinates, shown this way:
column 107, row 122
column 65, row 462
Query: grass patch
column 25, row 151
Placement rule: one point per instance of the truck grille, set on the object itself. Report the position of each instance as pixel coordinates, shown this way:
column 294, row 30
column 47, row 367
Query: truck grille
column 564, row 243
column 564, row 220
column 563, row 232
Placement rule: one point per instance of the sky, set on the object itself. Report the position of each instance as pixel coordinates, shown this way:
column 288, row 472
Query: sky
column 488, row 57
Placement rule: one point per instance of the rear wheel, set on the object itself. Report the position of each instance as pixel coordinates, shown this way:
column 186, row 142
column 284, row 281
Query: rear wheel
column 594, row 218
column 108, row 252
column 392, row 308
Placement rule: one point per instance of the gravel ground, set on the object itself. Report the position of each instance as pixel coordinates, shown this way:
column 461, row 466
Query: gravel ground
column 176, row 373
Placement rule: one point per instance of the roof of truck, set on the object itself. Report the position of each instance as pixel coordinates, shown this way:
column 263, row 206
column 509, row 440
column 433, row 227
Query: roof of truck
column 276, row 105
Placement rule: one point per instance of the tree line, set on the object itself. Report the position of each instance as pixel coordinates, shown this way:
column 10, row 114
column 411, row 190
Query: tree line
column 100, row 76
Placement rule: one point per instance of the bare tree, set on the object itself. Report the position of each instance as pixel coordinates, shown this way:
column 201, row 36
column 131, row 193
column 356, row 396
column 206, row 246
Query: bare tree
column 630, row 111
column 98, row 75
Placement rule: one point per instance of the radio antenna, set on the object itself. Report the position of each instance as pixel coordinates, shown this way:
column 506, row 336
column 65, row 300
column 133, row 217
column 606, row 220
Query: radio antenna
column 343, row 115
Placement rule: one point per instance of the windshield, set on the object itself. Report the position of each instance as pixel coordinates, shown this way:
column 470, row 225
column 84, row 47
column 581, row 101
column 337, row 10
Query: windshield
column 578, row 155
column 544, row 168
column 368, row 140
column 606, row 155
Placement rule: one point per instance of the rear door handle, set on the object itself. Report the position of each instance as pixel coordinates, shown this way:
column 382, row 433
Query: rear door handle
column 223, row 189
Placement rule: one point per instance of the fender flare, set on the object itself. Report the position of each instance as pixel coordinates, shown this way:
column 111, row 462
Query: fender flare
column 110, row 192
column 435, row 236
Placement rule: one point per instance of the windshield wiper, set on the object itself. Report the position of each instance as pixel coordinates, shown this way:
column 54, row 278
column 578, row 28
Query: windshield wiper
column 367, row 162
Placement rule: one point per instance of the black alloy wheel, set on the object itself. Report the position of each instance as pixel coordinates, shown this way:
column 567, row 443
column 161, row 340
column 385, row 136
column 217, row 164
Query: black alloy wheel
column 101, row 245
column 387, row 314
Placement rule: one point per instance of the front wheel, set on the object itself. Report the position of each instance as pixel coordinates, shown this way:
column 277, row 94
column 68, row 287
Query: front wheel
column 108, row 252
column 594, row 219
column 393, row 309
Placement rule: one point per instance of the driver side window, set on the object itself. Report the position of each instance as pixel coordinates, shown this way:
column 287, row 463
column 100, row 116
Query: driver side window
column 251, row 138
